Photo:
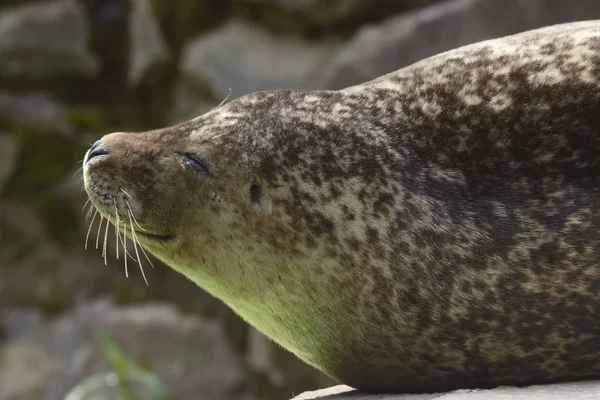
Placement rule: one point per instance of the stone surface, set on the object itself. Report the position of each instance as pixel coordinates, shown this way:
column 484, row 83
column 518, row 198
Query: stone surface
column 261, row 357
column 246, row 59
column 45, row 39
column 281, row 368
column 147, row 49
column 338, row 9
column 43, row 359
column 188, row 103
column 407, row 38
column 332, row 8
column 316, row 18
column 573, row 391
column 37, row 111
column 342, row 6
column 23, row 372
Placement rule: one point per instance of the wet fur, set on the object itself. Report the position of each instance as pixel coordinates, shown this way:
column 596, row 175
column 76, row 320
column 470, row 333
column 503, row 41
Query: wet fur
column 436, row 228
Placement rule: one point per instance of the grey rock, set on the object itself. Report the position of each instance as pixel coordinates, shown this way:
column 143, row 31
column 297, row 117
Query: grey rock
column 188, row 103
column 23, row 371
column 281, row 368
column 342, row 6
column 189, row 354
column 37, row 111
column 334, row 6
column 45, row 39
column 261, row 357
column 405, row 39
column 148, row 48
column 9, row 155
column 333, row 16
column 343, row 392
column 246, row 59
column 573, row 391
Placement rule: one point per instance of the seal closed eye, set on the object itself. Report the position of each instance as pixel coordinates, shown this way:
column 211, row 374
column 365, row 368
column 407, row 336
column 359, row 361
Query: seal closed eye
column 197, row 164
column 433, row 229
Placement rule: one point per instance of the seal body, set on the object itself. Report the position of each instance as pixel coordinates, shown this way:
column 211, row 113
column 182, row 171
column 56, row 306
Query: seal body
column 435, row 228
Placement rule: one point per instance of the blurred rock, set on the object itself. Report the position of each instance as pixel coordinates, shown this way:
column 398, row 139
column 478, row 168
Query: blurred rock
column 318, row 18
column 147, row 49
column 332, row 9
column 281, row 368
column 246, row 59
column 9, row 154
column 45, row 39
column 24, row 370
column 37, row 111
column 572, row 391
column 405, row 39
column 188, row 103
column 189, row 354
column 261, row 356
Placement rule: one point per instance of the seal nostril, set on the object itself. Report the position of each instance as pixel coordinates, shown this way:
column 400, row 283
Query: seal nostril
column 97, row 149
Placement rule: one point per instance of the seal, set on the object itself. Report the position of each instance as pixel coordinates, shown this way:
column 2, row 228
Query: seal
column 432, row 229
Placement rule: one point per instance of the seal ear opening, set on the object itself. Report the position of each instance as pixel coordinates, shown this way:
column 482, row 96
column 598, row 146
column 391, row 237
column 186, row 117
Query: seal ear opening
column 259, row 200
column 255, row 195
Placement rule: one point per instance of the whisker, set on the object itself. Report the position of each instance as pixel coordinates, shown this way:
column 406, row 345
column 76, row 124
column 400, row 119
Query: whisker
column 146, row 255
column 85, row 205
column 222, row 103
column 79, row 170
column 133, row 216
column 218, row 136
column 89, row 212
column 134, row 237
column 90, row 229
column 126, row 194
column 99, row 229
column 123, row 238
column 104, row 255
column 126, row 254
column 117, row 230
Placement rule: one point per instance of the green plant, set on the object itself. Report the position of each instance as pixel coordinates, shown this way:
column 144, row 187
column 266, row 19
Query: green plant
column 126, row 381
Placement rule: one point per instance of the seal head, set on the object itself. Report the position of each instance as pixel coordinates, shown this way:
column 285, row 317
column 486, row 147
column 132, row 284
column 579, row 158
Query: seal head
column 435, row 228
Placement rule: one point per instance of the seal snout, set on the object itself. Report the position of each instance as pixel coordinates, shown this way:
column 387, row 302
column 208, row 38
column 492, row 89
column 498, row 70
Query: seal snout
column 98, row 149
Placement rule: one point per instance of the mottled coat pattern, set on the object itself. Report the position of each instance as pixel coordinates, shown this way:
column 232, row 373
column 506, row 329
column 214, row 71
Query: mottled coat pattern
column 435, row 228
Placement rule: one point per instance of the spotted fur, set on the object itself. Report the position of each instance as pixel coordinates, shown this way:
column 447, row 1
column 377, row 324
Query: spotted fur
column 435, row 228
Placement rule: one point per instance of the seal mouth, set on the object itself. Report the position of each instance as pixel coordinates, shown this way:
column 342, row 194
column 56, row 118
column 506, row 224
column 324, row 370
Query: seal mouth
column 155, row 237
